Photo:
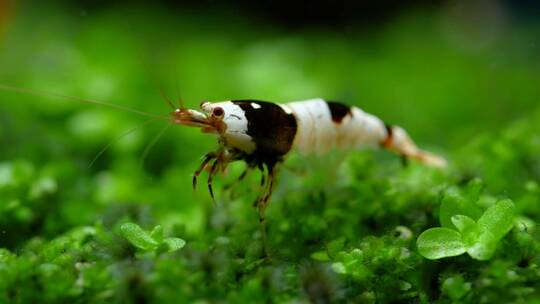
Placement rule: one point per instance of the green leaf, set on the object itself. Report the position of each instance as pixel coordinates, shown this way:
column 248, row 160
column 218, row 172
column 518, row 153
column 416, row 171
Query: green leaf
column 453, row 204
column 469, row 229
column 498, row 219
column 321, row 256
column 333, row 247
column 463, row 223
column 42, row 187
column 138, row 237
column 157, row 234
column 174, row 244
column 338, row 267
column 474, row 189
column 484, row 247
column 456, row 287
column 6, row 256
column 436, row 243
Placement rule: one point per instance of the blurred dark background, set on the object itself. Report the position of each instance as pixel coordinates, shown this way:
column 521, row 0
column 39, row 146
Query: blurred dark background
column 299, row 14
column 330, row 14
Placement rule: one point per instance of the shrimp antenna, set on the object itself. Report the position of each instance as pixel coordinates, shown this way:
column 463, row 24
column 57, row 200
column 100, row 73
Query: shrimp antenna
column 177, row 87
column 167, row 100
column 143, row 58
column 157, row 83
column 147, row 122
column 83, row 100
column 153, row 142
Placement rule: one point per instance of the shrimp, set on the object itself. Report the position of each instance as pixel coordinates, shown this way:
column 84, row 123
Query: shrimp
column 262, row 134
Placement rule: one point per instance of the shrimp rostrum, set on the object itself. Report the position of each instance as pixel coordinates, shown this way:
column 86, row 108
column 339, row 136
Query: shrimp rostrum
column 263, row 133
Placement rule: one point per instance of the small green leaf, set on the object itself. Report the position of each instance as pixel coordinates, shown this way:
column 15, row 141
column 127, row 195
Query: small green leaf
column 42, row 187
column 469, row 229
column 484, row 247
column 474, row 189
column 463, row 223
column 321, row 256
column 174, row 244
column 333, row 247
column 338, row 267
column 498, row 219
column 456, row 287
column 6, row 256
column 157, row 234
column 436, row 243
column 453, row 204
column 138, row 237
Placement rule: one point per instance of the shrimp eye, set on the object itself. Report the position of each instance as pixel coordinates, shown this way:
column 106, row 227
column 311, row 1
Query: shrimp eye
column 218, row 112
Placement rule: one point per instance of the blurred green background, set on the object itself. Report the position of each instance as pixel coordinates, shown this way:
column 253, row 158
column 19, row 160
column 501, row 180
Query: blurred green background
column 447, row 71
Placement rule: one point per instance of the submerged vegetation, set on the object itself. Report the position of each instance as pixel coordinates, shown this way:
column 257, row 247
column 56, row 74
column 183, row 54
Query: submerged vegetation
column 360, row 228
column 353, row 239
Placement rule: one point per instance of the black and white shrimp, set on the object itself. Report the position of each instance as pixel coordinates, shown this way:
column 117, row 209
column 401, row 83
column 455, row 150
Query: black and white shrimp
column 262, row 134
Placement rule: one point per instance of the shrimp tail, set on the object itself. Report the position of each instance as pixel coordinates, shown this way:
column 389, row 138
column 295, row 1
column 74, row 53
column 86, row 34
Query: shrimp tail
column 399, row 141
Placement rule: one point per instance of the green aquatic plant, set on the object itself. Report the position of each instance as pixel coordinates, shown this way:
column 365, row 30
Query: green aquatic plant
column 150, row 241
column 478, row 238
